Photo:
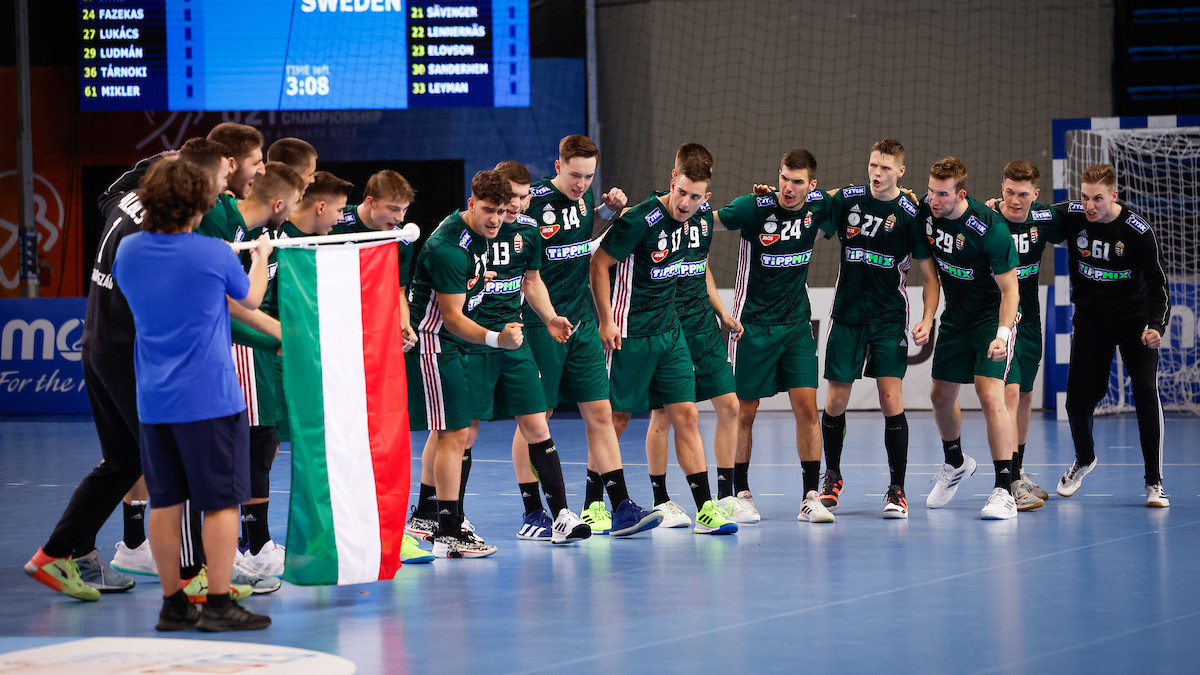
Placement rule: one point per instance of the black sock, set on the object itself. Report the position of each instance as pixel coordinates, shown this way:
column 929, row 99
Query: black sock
column 659, row 485
column 724, row 482
column 895, row 441
column 811, row 473
column 530, row 496
column 1019, row 460
column 1003, row 473
column 833, row 433
column 177, row 601
column 953, row 452
column 594, row 490
column 426, row 503
column 135, row 523
column 466, row 472
column 741, row 477
column 254, row 526
column 698, row 483
column 218, row 601
column 449, row 518
column 614, row 482
column 544, row 458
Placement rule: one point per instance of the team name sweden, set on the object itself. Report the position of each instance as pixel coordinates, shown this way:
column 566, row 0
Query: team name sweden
column 1095, row 274
column 788, row 260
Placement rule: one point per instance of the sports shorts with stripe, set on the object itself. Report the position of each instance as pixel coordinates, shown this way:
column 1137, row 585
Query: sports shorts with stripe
column 960, row 352
column 438, row 396
column 768, row 359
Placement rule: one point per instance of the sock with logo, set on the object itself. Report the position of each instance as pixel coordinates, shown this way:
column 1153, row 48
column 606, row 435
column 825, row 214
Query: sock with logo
column 544, row 458
column 614, row 482
column 426, row 503
column 833, row 433
column 659, row 485
column 1003, row 473
column 953, row 452
column 698, row 483
column 724, row 482
column 895, row 441
column 594, row 490
column 254, row 526
column 530, row 497
column 135, row 523
column 449, row 518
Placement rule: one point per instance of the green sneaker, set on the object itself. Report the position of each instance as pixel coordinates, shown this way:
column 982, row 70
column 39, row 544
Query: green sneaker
column 60, row 574
column 411, row 552
column 714, row 519
column 598, row 517
column 196, row 588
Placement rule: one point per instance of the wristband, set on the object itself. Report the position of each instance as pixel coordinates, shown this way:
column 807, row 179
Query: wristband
column 604, row 212
column 492, row 339
column 1004, row 333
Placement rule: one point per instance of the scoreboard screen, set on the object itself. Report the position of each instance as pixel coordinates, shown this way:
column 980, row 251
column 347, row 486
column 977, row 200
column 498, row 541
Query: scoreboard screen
column 302, row 54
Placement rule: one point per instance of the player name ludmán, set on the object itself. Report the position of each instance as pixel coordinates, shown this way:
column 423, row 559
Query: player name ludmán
column 130, row 52
column 120, row 91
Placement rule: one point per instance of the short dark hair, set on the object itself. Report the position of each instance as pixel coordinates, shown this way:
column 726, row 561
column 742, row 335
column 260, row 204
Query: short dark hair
column 239, row 139
column 950, row 167
column 173, row 193
column 276, row 182
column 324, row 186
column 799, row 159
column 693, row 150
column 696, row 169
column 490, row 186
column 294, row 152
column 1020, row 170
column 204, row 153
column 388, row 184
column 514, row 172
column 577, row 146
column 889, row 146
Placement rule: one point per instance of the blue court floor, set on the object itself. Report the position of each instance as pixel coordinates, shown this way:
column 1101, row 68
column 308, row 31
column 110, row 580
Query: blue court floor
column 1097, row 583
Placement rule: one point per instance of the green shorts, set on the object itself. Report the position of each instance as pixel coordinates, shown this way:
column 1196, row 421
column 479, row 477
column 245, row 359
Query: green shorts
column 882, row 348
column 572, row 371
column 657, row 367
column 261, row 379
column 438, row 396
column 710, row 362
column 1027, row 355
column 960, row 352
column 771, row 359
column 503, row 384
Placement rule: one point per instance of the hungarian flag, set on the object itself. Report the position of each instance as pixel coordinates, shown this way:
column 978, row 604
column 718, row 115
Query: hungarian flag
column 343, row 378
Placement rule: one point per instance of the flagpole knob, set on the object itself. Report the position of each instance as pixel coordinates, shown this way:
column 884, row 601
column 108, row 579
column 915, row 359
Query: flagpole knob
column 410, row 233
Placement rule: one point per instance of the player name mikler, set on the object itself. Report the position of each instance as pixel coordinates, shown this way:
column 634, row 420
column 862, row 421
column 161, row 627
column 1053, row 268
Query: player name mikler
column 120, row 91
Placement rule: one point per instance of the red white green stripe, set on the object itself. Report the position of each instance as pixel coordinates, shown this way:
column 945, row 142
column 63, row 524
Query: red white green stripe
column 347, row 406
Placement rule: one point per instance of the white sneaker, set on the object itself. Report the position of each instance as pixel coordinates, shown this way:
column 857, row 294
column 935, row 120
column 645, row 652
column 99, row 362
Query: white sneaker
column 1036, row 489
column 813, row 510
column 259, row 584
column 738, row 512
column 1073, row 478
column 1024, row 497
column 1000, row 505
column 461, row 545
column 673, row 515
column 1154, row 496
column 268, row 562
column 569, row 528
column 946, row 482
column 747, row 501
column 134, row 560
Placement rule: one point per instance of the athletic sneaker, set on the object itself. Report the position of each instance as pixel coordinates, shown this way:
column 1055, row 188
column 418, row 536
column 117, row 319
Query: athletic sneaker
column 230, row 617
column 1073, row 478
column 895, row 506
column 537, row 527
column 831, row 489
column 747, row 501
column 258, row 583
column 59, row 574
column 569, row 528
column 673, row 514
column 411, row 552
column 196, row 588
column 1036, row 489
column 1024, row 497
column 97, row 574
column 1000, row 505
column 713, row 519
column 267, row 562
column 135, row 560
column 598, row 517
column 1156, row 497
column 461, row 545
column 946, row 482
column 737, row 511
column 813, row 511
column 169, row 619
column 421, row 528
column 631, row 519
column 467, row 525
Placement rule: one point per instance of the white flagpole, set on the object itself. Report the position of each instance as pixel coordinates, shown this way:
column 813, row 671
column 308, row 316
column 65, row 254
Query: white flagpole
column 408, row 234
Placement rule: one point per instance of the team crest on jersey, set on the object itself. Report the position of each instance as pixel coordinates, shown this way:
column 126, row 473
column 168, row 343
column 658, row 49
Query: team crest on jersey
column 1120, row 248
column 548, row 216
column 909, row 207
column 1081, row 242
column 654, row 216
column 852, row 228
column 856, row 191
column 765, row 200
column 807, row 220
column 541, row 190
column 890, row 223
column 548, row 231
column 1138, row 224
column 1042, row 214
column 518, row 243
column 768, row 239
column 704, row 228
column 977, row 225
column 583, row 210
column 770, row 225
column 1075, row 207
column 960, row 242
column 1033, row 235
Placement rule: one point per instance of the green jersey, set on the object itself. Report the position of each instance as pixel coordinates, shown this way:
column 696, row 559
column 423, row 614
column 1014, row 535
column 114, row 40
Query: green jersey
column 223, row 221
column 1041, row 226
column 878, row 239
column 691, row 290
column 517, row 249
column 776, row 246
column 969, row 251
column 648, row 246
column 565, row 228
column 352, row 223
column 453, row 260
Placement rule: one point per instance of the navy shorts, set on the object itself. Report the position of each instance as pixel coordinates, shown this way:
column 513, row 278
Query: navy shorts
column 206, row 461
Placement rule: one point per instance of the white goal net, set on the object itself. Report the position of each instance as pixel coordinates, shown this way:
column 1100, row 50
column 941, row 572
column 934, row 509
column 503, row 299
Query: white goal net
column 1158, row 175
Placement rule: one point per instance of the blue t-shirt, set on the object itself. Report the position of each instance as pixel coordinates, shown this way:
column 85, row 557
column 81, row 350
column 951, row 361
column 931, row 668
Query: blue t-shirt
column 176, row 286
